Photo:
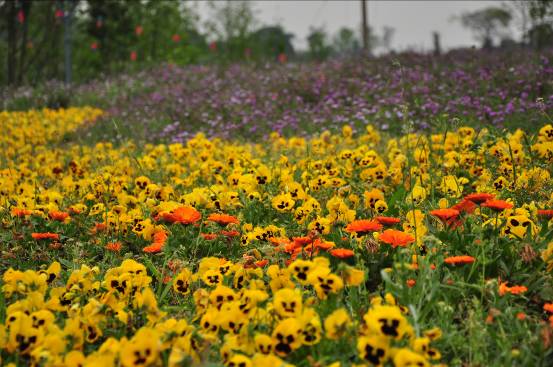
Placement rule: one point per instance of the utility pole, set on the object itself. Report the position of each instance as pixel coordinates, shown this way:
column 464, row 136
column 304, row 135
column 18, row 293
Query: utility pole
column 69, row 6
column 365, row 26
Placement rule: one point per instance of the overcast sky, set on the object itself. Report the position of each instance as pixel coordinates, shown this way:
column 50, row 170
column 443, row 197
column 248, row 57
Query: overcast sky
column 413, row 21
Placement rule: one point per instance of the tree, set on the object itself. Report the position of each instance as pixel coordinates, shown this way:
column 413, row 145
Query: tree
column 487, row 24
column 271, row 41
column 319, row 48
column 345, row 42
column 232, row 22
column 541, row 14
column 535, row 20
column 375, row 40
column 386, row 38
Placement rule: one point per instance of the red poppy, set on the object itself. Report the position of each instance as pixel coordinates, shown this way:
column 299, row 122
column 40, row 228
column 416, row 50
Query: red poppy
column 497, row 205
column 45, row 235
column 114, row 246
column 282, row 58
column 363, row 226
column 138, row 30
column 223, row 219
column 21, row 16
column 59, row 13
column 396, row 238
column 411, row 283
column 464, row 259
column 213, row 46
column 342, row 253
column 445, row 214
column 479, row 198
column 94, row 46
column 133, row 56
column 548, row 213
column 388, row 221
column 175, row 38
column 183, row 215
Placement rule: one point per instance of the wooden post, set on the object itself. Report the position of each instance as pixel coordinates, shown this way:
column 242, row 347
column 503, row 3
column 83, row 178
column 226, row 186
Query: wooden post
column 437, row 45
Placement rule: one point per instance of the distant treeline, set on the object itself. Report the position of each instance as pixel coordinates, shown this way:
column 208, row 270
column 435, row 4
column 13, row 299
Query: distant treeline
column 84, row 39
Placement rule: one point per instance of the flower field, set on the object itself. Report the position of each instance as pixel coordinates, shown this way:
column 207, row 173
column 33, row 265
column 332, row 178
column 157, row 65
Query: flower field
column 351, row 247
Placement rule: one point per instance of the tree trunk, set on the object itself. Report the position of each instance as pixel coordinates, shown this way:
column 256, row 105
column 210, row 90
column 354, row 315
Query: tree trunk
column 12, row 41
column 26, row 8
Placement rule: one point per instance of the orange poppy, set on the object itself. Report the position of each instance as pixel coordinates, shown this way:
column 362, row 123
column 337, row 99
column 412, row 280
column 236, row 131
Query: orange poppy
column 521, row 316
column 16, row 212
column 445, row 214
column 261, row 263
column 323, row 245
column 497, row 205
column 292, row 247
column 388, row 221
column 396, row 238
column 302, row 241
column 277, row 241
column 58, row 215
column 411, row 283
column 74, row 210
column 516, row 289
column 363, row 226
column 45, row 235
column 548, row 307
column 209, row 236
column 223, row 219
column 478, row 198
column 99, row 227
column 233, row 233
column 548, row 213
column 342, row 253
column 183, row 215
column 159, row 242
column 114, row 246
column 466, row 206
column 464, row 259
column 153, row 248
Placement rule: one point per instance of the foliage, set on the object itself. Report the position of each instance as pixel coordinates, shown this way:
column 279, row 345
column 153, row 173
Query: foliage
column 487, row 24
